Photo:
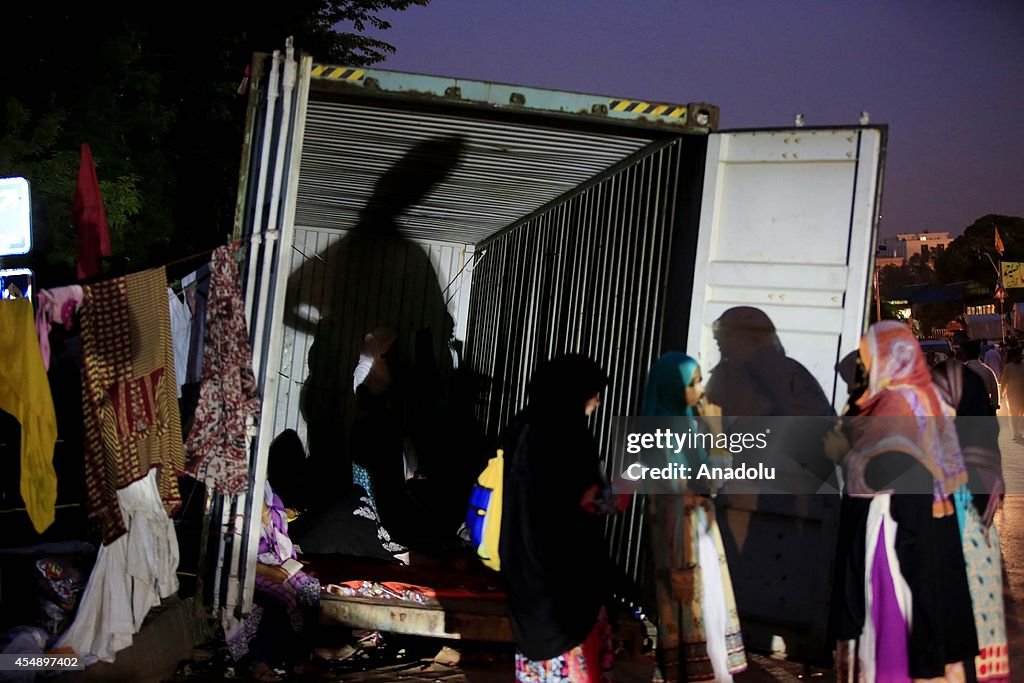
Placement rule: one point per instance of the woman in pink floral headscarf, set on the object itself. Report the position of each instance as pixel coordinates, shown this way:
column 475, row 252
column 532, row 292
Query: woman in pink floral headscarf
column 906, row 607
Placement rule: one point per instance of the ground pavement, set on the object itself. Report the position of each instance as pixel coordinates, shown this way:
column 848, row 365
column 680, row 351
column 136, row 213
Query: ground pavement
column 1010, row 522
column 762, row 670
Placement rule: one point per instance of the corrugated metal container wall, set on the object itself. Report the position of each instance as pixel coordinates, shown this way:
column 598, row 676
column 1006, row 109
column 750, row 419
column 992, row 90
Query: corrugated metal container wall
column 317, row 259
column 587, row 275
column 361, row 204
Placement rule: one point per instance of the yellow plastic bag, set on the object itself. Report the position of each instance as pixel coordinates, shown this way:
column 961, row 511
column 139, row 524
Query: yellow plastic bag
column 484, row 517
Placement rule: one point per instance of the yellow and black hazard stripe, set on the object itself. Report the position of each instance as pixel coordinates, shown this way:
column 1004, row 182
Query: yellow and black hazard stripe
column 337, row 73
column 672, row 111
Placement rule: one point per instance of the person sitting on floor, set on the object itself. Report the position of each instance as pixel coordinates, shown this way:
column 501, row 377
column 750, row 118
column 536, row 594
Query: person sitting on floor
column 286, row 602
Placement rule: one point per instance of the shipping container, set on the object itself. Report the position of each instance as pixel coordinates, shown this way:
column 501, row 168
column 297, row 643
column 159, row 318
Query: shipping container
column 498, row 225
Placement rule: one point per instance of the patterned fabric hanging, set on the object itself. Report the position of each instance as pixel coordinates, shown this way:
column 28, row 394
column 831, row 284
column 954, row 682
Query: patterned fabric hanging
column 218, row 445
column 130, row 407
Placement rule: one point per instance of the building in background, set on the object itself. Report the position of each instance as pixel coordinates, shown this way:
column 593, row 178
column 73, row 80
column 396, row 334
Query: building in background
column 901, row 248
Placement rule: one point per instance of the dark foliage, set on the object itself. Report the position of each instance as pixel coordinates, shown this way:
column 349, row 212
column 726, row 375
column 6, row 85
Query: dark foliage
column 155, row 95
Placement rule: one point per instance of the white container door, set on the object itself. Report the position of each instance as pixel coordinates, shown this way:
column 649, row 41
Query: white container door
column 788, row 226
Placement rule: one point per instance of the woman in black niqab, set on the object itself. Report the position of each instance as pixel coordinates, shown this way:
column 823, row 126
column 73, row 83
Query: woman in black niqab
column 553, row 555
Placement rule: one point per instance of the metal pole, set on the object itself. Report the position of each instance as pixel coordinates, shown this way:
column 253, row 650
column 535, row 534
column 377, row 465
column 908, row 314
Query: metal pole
column 297, row 76
column 1000, row 290
column 257, row 226
column 1002, row 321
column 878, row 298
column 1002, row 298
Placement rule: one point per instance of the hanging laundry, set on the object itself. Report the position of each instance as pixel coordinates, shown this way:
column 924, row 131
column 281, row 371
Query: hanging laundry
column 89, row 217
column 218, row 446
column 181, row 335
column 131, row 576
column 59, row 304
column 197, row 296
column 130, row 411
column 25, row 394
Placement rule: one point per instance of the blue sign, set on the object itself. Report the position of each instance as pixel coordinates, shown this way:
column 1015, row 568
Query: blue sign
column 15, row 217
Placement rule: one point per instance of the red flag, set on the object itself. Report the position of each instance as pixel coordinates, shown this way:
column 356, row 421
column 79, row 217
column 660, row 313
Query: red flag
column 89, row 217
column 999, row 243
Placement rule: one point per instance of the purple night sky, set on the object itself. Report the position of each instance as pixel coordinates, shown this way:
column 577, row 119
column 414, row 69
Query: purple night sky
column 948, row 77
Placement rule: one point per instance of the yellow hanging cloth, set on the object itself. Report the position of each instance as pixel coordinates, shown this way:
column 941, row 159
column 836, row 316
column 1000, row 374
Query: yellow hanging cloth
column 25, row 394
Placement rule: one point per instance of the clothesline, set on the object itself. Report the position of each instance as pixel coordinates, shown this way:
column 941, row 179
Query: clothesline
column 133, row 334
column 185, row 259
column 108, row 276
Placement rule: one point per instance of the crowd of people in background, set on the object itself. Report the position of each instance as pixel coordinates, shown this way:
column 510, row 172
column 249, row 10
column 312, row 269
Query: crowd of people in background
column 1000, row 366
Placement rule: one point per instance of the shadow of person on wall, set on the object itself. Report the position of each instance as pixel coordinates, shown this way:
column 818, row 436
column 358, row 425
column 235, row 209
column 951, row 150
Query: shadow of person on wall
column 372, row 277
column 451, row 445
column 770, row 531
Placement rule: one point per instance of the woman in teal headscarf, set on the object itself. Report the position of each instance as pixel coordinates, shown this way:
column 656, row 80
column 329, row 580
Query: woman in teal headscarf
column 699, row 635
